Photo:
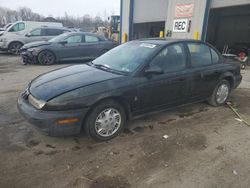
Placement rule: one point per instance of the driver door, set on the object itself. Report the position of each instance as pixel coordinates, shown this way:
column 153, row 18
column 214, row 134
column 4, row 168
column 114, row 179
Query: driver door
column 72, row 49
column 35, row 35
column 169, row 88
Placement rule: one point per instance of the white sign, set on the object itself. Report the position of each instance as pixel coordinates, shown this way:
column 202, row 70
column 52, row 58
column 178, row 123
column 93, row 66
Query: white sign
column 180, row 25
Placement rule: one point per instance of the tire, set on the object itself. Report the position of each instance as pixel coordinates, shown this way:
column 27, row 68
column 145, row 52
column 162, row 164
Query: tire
column 15, row 47
column 102, row 120
column 46, row 57
column 218, row 98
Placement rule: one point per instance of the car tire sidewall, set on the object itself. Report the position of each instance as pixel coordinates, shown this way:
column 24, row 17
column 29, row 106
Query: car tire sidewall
column 213, row 99
column 15, row 43
column 89, row 125
column 45, row 51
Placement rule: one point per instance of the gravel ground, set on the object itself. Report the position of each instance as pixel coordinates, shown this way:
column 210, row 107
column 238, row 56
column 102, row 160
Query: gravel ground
column 206, row 146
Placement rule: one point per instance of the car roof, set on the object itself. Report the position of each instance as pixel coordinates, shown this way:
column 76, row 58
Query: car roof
column 84, row 33
column 52, row 27
column 164, row 41
column 77, row 32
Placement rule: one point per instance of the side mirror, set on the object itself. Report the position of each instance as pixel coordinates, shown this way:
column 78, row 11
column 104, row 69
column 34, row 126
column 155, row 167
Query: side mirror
column 63, row 42
column 154, row 70
column 28, row 35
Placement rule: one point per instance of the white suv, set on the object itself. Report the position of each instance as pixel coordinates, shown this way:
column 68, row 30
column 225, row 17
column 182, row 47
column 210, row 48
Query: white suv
column 12, row 42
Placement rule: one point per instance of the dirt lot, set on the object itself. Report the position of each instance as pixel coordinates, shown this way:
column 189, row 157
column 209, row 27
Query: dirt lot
column 206, row 146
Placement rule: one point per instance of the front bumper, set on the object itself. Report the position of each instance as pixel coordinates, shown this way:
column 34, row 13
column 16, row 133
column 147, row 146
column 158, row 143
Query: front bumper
column 3, row 46
column 28, row 57
column 47, row 120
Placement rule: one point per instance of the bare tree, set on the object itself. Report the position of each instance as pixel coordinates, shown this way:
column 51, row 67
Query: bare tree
column 86, row 22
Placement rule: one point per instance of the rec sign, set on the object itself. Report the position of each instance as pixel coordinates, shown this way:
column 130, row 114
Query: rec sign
column 180, row 25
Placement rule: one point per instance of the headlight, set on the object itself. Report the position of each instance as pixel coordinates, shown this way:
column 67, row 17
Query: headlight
column 36, row 102
column 34, row 51
column 3, row 39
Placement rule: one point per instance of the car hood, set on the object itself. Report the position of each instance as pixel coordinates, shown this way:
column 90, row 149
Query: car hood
column 36, row 44
column 55, row 83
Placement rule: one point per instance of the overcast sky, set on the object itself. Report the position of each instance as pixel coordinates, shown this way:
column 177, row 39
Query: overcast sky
column 73, row 7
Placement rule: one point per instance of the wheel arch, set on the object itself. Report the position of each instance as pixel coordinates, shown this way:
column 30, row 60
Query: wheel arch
column 14, row 42
column 49, row 51
column 228, row 76
column 120, row 100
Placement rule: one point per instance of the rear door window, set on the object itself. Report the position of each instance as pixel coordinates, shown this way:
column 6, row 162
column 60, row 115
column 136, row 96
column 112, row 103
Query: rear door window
column 200, row 54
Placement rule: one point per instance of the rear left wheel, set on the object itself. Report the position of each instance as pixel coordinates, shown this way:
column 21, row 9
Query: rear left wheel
column 220, row 93
column 105, row 121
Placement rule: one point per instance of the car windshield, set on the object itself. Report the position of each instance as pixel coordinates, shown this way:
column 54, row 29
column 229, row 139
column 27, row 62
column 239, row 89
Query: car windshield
column 58, row 38
column 127, row 57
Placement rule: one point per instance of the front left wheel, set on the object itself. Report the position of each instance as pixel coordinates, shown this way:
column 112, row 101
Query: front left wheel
column 15, row 47
column 105, row 121
column 46, row 58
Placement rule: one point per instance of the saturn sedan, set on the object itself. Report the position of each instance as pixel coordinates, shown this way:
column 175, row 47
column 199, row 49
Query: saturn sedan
column 130, row 81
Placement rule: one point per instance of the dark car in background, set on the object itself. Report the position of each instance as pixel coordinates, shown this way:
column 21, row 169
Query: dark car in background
column 66, row 47
column 129, row 81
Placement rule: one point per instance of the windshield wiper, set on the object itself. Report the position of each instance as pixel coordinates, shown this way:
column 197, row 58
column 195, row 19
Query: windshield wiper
column 106, row 68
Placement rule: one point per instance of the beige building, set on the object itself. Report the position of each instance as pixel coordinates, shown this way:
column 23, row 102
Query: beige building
column 220, row 22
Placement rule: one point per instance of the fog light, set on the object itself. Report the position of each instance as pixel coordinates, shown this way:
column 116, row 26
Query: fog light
column 66, row 121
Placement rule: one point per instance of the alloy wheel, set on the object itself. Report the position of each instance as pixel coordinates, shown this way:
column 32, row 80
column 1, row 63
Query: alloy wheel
column 222, row 93
column 46, row 58
column 15, row 48
column 108, row 122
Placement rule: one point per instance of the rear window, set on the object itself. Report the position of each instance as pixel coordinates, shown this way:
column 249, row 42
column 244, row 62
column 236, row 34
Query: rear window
column 215, row 56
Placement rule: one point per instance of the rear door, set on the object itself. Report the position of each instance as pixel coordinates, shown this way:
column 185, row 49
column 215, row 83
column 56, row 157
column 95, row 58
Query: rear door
column 204, row 70
column 92, row 46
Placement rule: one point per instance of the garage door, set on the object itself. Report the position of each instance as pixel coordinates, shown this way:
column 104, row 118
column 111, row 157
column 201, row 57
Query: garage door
column 150, row 10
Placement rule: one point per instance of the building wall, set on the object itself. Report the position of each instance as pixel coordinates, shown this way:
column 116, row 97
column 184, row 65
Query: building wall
column 150, row 10
column 227, row 3
column 160, row 10
column 125, row 4
column 196, row 19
